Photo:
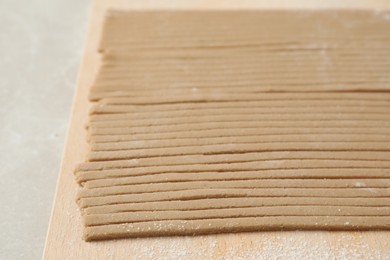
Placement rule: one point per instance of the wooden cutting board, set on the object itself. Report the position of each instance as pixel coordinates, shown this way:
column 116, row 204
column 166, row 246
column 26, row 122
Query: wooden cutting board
column 64, row 238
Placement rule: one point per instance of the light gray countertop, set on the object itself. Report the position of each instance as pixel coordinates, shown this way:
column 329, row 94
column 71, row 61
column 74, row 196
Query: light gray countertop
column 41, row 44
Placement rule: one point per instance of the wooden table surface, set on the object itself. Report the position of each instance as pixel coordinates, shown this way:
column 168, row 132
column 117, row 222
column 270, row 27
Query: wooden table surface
column 64, row 238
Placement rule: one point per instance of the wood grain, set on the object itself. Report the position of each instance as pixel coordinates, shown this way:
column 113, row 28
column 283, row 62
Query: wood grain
column 64, row 239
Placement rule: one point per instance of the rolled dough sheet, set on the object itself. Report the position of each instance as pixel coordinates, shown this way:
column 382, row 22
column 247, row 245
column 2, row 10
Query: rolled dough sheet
column 212, row 122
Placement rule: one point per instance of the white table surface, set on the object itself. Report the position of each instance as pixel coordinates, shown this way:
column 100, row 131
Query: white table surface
column 41, row 42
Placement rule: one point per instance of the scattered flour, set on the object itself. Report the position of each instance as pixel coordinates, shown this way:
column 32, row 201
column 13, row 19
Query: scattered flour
column 258, row 246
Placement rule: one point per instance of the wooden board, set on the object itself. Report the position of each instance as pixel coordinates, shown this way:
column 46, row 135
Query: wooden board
column 64, row 239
